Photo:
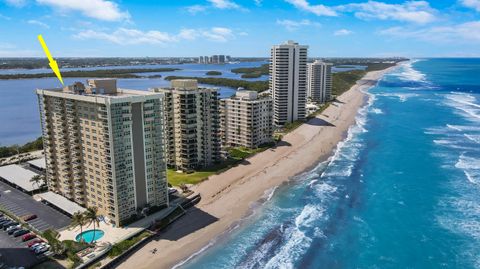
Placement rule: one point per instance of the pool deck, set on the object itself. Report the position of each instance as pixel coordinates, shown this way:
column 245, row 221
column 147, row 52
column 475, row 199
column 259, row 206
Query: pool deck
column 113, row 234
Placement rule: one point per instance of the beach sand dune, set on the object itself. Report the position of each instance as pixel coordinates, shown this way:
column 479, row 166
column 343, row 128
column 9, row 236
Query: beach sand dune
column 228, row 197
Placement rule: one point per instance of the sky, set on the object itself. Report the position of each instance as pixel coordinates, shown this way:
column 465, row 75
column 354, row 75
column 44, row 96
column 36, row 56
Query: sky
column 241, row 28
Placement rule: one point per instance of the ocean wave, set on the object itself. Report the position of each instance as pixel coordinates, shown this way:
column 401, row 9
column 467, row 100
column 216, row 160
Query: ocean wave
column 403, row 97
column 408, row 73
column 465, row 105
column 465, row 162
column 377, row 111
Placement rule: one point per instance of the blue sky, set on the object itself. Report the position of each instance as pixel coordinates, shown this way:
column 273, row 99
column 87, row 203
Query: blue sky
column 240, row 27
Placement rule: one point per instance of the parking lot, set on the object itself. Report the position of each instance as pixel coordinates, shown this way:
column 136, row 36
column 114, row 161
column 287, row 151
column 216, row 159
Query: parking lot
column 22, row 204
column 15, row 253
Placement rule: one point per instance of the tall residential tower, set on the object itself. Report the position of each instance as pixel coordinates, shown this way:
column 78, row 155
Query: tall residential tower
column 104, row 147
column 319, row 87
column 288, row 82
column 192, row 119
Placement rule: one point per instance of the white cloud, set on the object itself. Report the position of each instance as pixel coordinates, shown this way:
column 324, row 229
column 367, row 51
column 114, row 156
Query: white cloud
column 39, row 23
column 16, row 3
column 410, row 11
column 98, row 9
column 475, row 4
column 196, row 9
column 124, row 36
column 4, row 17
column 294, row 25
column 342, row 32
column 459, row 33
column 219, row 34
column 258, row 2
column 319, row 10
column 9, row 50
column 224, row 4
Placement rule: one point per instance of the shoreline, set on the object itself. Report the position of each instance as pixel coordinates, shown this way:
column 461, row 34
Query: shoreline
column 227, row 198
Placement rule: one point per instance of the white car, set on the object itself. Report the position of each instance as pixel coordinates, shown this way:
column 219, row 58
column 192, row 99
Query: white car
column 13, row 227
column 42, row 249
column 37, row 245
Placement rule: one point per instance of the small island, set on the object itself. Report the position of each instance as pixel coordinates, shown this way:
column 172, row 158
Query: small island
column 252, row 72
column 213, row 73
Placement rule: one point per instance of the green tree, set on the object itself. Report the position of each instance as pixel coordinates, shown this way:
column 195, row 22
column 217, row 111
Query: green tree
column 36, row 180
column 78, row 219
column 91, row 215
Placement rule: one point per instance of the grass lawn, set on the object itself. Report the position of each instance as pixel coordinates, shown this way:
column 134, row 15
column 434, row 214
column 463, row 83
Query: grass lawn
column 236, row 156
column 176, row 179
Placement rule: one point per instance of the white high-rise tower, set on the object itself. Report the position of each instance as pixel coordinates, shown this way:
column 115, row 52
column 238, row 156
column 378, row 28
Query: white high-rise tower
column 319, row 86
column 288, row 79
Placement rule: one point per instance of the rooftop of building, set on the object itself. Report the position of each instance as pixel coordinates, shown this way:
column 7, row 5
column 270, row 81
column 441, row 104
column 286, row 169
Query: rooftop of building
column 105, row 88
column 182, row 85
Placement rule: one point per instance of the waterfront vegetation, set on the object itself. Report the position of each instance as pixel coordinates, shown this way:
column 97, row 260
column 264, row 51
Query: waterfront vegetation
column 258, row 86
column 252, row 72
column 123, row 246
column 213, row 73
column 343, row 81
column 104, row 73
column 8, row 151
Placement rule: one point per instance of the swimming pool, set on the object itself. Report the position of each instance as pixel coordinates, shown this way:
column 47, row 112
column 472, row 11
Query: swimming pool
column 88, row 236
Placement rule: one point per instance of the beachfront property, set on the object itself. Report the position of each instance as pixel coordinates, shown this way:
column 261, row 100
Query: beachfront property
column 192, row 125
column 247, row 119
column 288, row 82
column 104, row 147
column 319, row 81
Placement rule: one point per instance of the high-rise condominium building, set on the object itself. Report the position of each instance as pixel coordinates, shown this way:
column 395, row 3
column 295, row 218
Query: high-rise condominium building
column 104, row 147
column 247, row 119
column 288, row 82
column 319, row 86
column 193, row 125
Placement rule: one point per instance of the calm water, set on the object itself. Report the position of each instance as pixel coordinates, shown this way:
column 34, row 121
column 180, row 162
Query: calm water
column 402, row 190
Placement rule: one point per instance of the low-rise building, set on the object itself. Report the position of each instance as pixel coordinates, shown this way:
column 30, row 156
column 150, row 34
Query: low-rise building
column 247, row 119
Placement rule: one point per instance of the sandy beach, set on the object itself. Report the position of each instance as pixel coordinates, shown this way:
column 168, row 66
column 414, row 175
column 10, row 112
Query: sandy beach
column 228, row 197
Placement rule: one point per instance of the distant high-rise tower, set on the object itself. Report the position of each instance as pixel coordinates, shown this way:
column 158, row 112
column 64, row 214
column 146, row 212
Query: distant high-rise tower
column 104, row 147
column 288, row 79
column 319, row 86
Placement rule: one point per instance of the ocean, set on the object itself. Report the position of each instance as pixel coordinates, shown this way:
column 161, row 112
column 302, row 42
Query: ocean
column 401, row 191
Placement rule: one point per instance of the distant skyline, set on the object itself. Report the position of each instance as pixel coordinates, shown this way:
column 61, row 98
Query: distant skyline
column 245, row 28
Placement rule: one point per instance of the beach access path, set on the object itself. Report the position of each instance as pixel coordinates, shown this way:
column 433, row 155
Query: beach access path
column 229, row 196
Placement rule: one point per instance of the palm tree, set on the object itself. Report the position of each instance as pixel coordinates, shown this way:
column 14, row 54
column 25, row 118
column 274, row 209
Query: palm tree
column 91, row 216
column 78, row 219
column 36, row 179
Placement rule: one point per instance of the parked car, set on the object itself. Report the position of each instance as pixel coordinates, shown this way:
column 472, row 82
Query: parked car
column 29, row 236
column 20, row 232
column 3, row 222
column 33, row 242
column 35, row 246
column 172, row 191
column 42, row 249
column 13, row 229
column 7, row 224
column 29, row 217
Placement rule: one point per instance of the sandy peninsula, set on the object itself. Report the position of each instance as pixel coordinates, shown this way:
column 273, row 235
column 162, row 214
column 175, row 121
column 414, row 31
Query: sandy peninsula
column 228, row 197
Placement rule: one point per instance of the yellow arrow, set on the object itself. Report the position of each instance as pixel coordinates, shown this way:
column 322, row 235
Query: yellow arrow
column 53, row 64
